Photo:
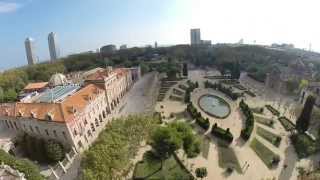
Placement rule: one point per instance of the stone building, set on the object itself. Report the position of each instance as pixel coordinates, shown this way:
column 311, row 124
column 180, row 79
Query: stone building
column 72, row 114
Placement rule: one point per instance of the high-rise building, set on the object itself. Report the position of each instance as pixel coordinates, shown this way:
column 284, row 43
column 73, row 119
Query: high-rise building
column 156, row 45
column 29, row 45
column 53, row 46
column 124, row 46
column 195, row 36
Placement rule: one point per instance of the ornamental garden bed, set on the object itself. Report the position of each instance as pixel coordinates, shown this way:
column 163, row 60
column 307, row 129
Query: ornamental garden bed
column 228, row 159
column 240, row 87
column 150, row 168
column 176, row 98
column 269, row 158
column 274, row 139
column 286, row 123
column 250, row 93
column 273, row 110
column 264, row 121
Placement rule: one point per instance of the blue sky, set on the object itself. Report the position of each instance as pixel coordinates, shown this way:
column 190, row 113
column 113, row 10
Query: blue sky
column 83, row 25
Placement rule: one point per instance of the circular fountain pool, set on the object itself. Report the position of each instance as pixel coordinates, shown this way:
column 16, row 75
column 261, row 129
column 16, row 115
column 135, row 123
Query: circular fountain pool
column 214, row 106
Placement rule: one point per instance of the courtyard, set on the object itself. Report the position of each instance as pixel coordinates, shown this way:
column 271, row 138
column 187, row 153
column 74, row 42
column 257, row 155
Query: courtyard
column 268, row 152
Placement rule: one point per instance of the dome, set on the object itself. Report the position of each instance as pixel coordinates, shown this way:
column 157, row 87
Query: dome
column 58, row 79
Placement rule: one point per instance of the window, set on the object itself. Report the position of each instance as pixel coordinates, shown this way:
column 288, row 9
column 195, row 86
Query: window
column 97, row 122
column 75, row 132
column 7, row 123
column 64, row 134
column 104, row 114
column 85, row 122
column 15, row 125
column 31, row 129
column 55, row 133
column 100, row 118
column 47, row 132
column 92, row 127
column 89, row 133
column 37, row 129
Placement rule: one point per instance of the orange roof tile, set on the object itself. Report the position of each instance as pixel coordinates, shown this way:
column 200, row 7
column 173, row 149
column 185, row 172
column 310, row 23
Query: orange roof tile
column 60, row 112
column 38, row 85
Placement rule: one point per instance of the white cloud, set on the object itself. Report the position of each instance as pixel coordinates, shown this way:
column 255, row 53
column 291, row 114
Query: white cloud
column 7, row 7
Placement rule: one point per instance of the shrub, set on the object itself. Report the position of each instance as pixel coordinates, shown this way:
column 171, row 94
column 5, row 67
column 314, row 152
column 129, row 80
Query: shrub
column 30, row 170
column 228, row 91
column 249, row 122
column 54, row 151
column 201, row 172
column 204, row 123
column 303, row 145
column 221, row 133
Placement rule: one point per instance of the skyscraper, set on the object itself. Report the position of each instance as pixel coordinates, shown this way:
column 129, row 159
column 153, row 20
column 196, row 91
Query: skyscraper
column 195, row 36
column 53, row 46
column 29, row 45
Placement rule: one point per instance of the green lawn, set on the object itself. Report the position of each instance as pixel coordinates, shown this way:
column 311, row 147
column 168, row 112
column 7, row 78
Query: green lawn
column 228, row 158
column 264, row 153
column 264, row 121
column 269, row 136
column 286, row 123
column 149, row 169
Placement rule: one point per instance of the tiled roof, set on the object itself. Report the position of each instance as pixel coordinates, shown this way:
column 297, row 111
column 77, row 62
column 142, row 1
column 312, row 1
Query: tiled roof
column 59, row 112
column 38, row 85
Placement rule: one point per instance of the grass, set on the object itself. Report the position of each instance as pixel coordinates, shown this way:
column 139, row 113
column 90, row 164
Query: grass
column 149, row 168
column 205, row 146
column 264, row 153
column 269, row 136
column 264, row 121
column 228, row 158
column 286, row 123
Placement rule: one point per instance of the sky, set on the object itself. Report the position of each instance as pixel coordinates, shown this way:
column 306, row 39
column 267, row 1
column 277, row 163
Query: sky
column 83, row 25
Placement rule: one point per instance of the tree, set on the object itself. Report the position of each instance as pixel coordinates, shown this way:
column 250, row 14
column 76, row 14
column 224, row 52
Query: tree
column 54, row 151
column 235, row 72
column 201, row 172
column 304, row 119
column 165, row 141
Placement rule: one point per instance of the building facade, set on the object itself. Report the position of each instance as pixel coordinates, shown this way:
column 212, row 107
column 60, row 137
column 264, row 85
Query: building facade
column 31, row 57
column 195, row 36
column 53, row 46
column 71, row 114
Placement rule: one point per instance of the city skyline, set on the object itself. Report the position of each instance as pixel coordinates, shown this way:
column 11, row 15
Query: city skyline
column 218, row 21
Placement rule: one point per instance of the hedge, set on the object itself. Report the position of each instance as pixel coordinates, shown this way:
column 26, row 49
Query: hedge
column 204, row 123
column 30, row 170
column 286, row 123
column 273, row 110
column 221, row 133
column 228, row 91
column 249, row 122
